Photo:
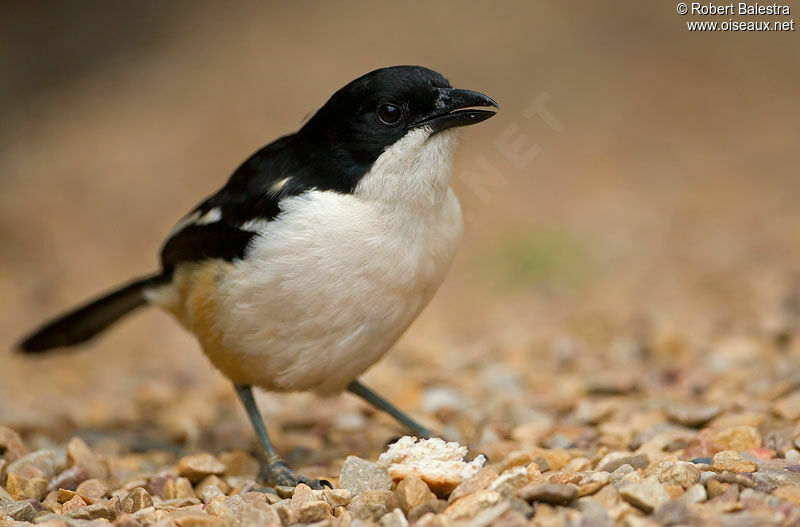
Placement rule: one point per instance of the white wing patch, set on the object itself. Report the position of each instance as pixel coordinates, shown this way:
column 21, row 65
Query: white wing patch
column 276, row 188
column 184, row 222
column 195, row 218
column 212, row 216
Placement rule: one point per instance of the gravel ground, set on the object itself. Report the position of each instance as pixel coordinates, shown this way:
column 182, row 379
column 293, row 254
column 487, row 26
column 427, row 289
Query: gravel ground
column 653, row 432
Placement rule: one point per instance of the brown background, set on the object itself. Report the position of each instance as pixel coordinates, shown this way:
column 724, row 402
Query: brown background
column 666, row 207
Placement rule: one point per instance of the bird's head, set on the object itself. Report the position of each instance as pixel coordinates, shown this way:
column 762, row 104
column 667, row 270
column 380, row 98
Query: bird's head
column 393, row 119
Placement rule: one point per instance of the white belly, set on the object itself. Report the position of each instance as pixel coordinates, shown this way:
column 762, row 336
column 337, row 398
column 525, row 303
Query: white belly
column 328, row 287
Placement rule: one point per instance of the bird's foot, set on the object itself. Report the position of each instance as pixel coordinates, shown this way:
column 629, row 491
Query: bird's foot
column 276, row 473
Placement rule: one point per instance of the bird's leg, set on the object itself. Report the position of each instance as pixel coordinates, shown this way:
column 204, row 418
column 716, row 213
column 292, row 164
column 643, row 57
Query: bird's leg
column 275, row 471
column 379, row 402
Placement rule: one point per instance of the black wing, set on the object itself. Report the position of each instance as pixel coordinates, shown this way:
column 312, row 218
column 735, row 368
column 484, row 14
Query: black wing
column 198, row 242
column 250, row 194
column 287, row 167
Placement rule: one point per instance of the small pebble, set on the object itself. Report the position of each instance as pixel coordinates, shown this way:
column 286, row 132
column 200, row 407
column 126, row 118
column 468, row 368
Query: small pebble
column 79, row 454
column 614, row 460
column 136, row 500
column 788, row 407
column 480, row 481
column 42, row 461
column 645, row 495
column 358, row 476
column 21, row 487
column 412, row 491
column 373, row 504
column 732, row 462
column 198, row 466
column 21, row 511
column 93, row 489
column 108, row 510
column 11, row 444
column 680, row 473
column 73, row 504
column 738, row 438
column 509, row 481
column 469, row 505
column 69, row 479
column 693, row 415
column 553, row 493
column 314, row 511
column 393, row 519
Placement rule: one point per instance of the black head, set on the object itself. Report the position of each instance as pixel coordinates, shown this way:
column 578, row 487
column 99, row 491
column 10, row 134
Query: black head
column 374, row 111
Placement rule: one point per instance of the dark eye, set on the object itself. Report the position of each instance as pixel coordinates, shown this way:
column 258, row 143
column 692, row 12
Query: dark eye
column 389, row 113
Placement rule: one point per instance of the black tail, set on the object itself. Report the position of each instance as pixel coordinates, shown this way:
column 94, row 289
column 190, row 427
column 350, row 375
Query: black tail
column 87, row 321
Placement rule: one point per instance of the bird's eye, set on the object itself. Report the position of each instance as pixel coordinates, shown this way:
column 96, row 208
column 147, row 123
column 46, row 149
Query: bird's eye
column 389, row 113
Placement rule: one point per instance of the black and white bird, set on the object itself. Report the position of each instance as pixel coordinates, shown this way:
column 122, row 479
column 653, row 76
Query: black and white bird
column 319, row 251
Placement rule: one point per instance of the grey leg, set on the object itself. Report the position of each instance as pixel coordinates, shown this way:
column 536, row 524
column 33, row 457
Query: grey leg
column 379, row 402
column 275, row 470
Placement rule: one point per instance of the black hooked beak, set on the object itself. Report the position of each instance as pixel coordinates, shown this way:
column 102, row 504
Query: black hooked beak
column 450, row 109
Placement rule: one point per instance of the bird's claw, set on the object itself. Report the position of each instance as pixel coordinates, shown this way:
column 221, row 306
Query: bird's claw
column 277, row 473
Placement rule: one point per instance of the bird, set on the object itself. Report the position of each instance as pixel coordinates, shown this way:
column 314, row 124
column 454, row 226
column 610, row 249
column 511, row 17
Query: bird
column 317, row 254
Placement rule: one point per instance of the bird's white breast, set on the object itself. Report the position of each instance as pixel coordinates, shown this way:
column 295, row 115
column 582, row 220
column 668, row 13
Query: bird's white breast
column 329, row 285
column 324, row 293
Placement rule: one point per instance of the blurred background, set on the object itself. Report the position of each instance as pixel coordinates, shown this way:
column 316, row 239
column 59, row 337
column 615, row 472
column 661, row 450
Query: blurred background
column 632, row 215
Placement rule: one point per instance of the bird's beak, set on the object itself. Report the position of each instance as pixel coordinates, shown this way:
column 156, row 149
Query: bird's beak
column 454, row 107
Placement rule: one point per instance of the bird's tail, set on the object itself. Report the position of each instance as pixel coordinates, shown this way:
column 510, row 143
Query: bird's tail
column 83, row 323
